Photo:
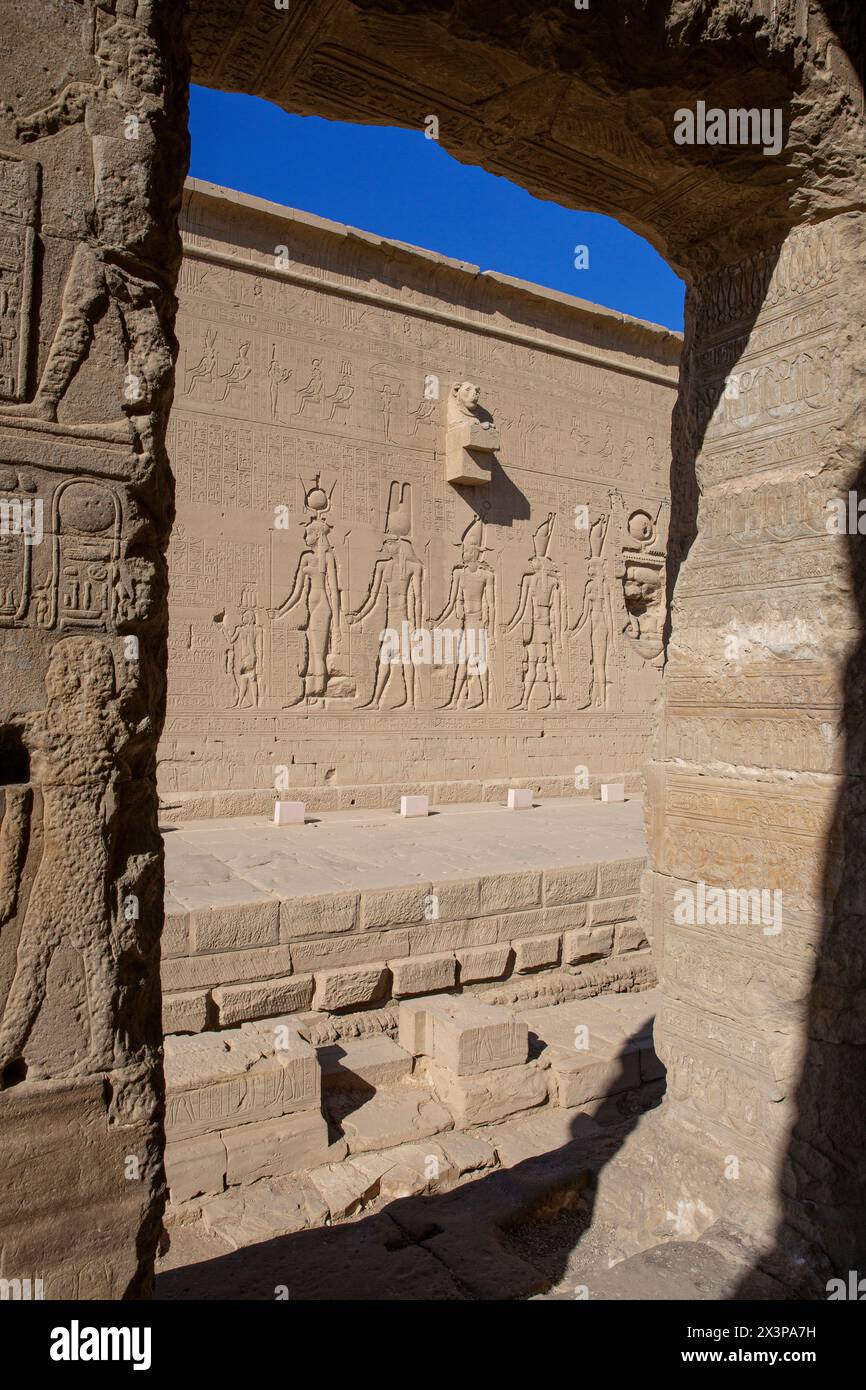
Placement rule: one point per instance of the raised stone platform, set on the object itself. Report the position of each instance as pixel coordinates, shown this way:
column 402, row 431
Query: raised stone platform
column 357, row 909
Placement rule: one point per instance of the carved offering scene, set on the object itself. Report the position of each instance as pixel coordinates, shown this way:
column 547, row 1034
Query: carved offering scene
column 420, row 530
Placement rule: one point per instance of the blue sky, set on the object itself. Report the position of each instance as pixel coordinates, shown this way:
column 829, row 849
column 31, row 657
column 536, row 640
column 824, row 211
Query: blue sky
column 398, row 183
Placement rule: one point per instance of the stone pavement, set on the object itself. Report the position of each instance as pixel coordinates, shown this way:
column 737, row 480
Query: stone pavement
column 357, row 909
column 248, row 859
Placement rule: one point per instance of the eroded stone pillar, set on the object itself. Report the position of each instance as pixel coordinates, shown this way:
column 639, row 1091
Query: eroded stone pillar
column 757, row 757
column 92, row 154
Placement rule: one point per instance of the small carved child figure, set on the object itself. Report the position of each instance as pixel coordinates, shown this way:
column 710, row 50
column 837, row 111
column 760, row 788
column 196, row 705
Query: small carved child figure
column 75, row 745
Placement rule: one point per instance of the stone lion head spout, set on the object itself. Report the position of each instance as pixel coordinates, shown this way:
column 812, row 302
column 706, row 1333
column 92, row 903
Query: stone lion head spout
column 466, row 396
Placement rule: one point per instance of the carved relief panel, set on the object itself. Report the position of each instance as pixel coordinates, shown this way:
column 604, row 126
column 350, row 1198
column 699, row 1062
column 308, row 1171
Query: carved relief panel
column 326, row 576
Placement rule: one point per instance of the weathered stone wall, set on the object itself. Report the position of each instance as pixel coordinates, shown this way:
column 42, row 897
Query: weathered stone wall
column 312, row 435
column 92, row 155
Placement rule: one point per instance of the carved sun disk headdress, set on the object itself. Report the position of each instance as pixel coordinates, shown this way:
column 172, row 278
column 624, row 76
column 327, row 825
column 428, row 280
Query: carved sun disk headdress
column 316, row 499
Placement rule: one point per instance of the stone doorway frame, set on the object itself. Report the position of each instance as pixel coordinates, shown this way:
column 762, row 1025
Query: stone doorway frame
column 762, row 1040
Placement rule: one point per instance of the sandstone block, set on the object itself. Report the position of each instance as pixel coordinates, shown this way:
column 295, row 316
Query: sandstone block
column 217, row 1080
column 234, row 927
column 367, row 797
column 245, row 1216
column 449, row 936
column 325, row 915
column 225, row 968
column 352, row 987
column 415, row 1028
column 357, row 949
column 612, row 791
column 364, row 1062
column 289, row 812
column 613, row 910
column 630, row 936
column 536, row 953
column 486, row 1096
column 456, row 898
column 620, row 876
column 507, row 892
column 583, row 1077
column 344, row 1187
column 466, row 1035
column 484, row 962
column 240, row 803
column 467, row 1152
column 302, row 1078
column 185, row 1013
column 393, row 907
column 195, row 1167
column 269, row 1148
column 414, row 806
column 244, row 1003
column 529, row 922
column 175, row 932
column 423, row 975
column 413, row 1169
column 586, row 943
column 566, row 918
column 570, row 885
column 394, row 1115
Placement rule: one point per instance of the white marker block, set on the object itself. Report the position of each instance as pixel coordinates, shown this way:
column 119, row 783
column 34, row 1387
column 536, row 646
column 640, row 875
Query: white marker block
column 289, row 812
column 520, row 798
column 414, row 805
column 613, row 791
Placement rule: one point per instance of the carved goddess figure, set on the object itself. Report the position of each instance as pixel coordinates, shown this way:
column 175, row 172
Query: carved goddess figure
column 76, row 745
column 317, row 587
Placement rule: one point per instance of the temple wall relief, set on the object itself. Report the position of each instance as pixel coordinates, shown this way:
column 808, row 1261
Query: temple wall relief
column 342, row 609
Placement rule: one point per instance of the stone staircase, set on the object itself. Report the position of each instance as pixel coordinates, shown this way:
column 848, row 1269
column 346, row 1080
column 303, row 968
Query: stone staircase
column 269, row 1134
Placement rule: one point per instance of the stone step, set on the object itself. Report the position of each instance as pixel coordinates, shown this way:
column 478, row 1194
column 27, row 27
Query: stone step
column 596, row 1048
column 246, row 1104
column 463, row 1035
column 395, row 1114
column 241, row 1105
column 363, row 1063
